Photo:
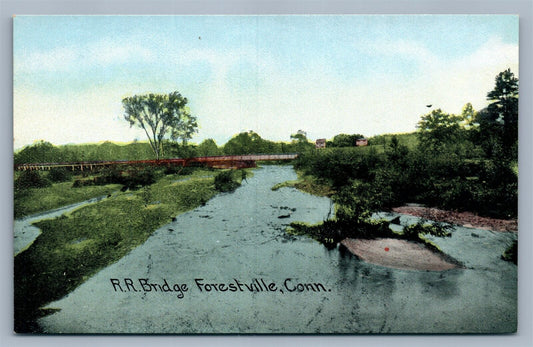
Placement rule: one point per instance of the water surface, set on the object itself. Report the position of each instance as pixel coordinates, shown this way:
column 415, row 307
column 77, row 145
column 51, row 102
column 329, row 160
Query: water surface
column 239, row 237
column 25, row 232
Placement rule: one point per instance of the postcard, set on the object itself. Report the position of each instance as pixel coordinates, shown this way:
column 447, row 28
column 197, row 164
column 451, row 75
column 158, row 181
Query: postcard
column 265, row 174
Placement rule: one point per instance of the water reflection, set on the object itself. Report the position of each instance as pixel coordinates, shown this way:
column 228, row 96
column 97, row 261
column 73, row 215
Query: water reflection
column 440, row 285
column 243, row 238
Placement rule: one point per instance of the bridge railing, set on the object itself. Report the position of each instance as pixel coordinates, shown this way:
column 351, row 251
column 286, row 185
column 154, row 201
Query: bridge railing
column 173, row 161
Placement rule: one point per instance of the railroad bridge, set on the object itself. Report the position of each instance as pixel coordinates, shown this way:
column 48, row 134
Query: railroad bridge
column 219, row 162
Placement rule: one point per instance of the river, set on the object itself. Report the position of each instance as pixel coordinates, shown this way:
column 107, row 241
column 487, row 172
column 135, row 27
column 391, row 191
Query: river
column 24, row 232
column 229, row 267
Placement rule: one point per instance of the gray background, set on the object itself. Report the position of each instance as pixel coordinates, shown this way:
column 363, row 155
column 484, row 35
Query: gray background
column 524, row 8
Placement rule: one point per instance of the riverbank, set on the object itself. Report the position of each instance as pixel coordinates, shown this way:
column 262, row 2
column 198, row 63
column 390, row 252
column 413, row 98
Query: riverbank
column 306, row 184
column 466, row 219
column 76, row 245
column 35, row 200
column 240, row 237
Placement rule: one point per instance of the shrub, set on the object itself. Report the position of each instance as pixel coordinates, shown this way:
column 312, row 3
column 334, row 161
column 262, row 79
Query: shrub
column 110, row 175
column 225, row 181
column 142, row 177
column 59, row 174
column 178, row 170
column 84, row 183
column 31, row 179
column 511, row 253
column 411, row 232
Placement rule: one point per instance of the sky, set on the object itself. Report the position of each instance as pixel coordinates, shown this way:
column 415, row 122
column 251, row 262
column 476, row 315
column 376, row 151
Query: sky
column 275, row 75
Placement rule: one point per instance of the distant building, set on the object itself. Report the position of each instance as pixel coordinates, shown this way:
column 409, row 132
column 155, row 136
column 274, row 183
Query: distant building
column 361, row 142
column 320, row 143
column 301, row 132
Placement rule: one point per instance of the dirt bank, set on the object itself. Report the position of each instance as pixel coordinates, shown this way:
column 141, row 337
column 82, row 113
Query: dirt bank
column 398, row 254
column 466, row 219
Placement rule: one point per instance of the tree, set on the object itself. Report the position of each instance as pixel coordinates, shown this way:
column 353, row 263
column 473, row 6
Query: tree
column 437, row 129
column 344, row 140
column 208, row 148
column 248, row 143
column 42, row 152
column 242, row 143
column 160, row 115
column 503, row 107
column 468, row 117
column 300, row 143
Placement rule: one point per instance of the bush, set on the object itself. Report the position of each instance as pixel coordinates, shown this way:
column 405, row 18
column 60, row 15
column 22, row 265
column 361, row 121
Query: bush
column 84, row 183
column 142, row 177
column 59, row 174
column 178, row 170
column 131, row 178
column 110, row 175
column 225, row 181
column 411, row 232
column 511, row 253
column 31, row 179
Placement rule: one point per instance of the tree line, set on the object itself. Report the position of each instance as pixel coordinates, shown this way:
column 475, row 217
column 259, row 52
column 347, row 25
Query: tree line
column 465, row 162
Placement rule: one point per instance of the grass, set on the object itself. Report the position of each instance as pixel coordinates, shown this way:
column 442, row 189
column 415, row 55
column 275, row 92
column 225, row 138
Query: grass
column 75, row 246
column 35, row 200
column 308, row 184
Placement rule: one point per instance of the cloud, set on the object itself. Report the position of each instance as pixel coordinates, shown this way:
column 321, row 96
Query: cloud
column 58, row 59
column 323, row 104
column 88, row 117
column 248, row 91
column 73, row 58
column 107, row 52
column 404, row 49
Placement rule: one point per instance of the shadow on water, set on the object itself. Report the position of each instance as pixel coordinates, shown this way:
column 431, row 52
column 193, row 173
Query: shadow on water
column 239, row 236
column 440, row 285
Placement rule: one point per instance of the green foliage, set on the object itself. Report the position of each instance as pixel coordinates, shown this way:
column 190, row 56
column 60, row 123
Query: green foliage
column 344, row 140
column 59, row 174
column 468, row 117
column 250, row 143
column 451, row 164
column 31, row 179
column 340, row 165
column 308, row 184
column 438, row 129
column 71, row 249
column 299, row 144
column 413, row 231
column 47, row 153
column 225, row 181
column 511, row 253
column 208, row 148
column 160, row 115
column 179, row 170
column 502, row 112
column 129, row 177
column 42, row 152
column 410, row 140
column 146, row 195
column 30, row 201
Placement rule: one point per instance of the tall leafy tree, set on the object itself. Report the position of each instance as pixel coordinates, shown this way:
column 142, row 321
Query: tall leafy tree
column 208, row 147
column 468, row 117
column 503, row 107
column 160, row 115
column 244, row 143
column 437, row 129
column 300, row 143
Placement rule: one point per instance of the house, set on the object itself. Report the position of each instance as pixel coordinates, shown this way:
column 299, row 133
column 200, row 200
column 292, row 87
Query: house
column 361, row 142
column 320, row 143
